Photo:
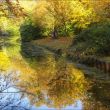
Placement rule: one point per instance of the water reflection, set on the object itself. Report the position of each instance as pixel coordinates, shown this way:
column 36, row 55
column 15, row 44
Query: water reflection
column 52, row 82
column 4, row 61
column 48, row 80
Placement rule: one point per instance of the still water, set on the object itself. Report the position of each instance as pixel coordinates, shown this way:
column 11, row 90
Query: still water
column 32, row 78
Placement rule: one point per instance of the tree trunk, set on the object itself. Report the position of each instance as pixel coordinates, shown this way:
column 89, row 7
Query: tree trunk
column 55, row 35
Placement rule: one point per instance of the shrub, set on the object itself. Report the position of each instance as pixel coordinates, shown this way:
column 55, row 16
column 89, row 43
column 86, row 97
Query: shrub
column 29, row 31
column 96, row 38
column 65, row 30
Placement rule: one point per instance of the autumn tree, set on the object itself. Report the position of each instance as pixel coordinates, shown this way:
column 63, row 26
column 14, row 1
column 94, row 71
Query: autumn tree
column 100, row 9
column 61, row 15
column 11, row 8
column 61, row 12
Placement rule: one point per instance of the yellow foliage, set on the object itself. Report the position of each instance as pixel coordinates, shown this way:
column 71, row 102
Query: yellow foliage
column 4, row 61
column 27, row 5
column 52, row 13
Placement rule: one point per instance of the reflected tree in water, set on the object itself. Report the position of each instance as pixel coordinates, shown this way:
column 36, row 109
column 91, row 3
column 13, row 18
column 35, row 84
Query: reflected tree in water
column 50, row 82
column 10, row 99
column 53, row 82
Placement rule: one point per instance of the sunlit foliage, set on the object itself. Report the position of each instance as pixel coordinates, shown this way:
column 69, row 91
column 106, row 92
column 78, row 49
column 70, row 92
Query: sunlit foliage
column 28, row 5
column 100, row 7
column 11, row 9
column 62, row 15
column 4, row 61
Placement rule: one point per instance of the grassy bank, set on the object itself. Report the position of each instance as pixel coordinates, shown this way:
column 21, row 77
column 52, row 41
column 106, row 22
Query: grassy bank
column 55, row 44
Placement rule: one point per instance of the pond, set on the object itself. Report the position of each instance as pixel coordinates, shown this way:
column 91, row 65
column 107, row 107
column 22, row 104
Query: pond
column 33, row 78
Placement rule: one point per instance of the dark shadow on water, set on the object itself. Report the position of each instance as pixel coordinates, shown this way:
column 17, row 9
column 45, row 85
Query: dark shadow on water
column 101, row 92
column 28, row 50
